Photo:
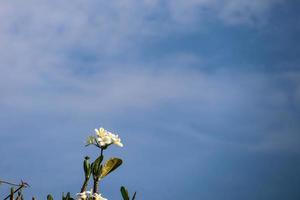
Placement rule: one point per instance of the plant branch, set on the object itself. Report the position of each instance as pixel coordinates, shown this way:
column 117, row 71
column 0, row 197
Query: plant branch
column 20, row 186
column 85, row 184
column 12, row 184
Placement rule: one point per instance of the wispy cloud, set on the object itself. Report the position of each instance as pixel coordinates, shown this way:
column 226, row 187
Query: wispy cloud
column 78, row 63
column 109, row 27
column 194, row 92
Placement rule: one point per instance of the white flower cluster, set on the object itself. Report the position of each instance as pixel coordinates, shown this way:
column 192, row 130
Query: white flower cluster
column 83, row 195
column 89, row 195
column 105, row 138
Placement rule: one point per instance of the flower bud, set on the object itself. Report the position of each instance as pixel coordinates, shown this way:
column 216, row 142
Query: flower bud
column 87, row 167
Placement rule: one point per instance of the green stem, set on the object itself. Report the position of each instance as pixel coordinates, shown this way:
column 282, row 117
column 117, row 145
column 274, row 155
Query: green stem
column 85, row 184
column 96, row 186
column 101, row 151
column 97, row 178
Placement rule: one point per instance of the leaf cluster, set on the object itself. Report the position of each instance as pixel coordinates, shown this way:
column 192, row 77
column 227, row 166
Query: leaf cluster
column 125, row 194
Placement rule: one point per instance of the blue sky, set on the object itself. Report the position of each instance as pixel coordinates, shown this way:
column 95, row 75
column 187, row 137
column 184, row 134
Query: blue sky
column 204, row 94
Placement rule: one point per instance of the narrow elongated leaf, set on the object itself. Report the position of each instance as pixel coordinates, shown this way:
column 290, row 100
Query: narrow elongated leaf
column 68, row 195
column 96, row 166
column 87, row 167
column 49, row 197
column 110, row 166
column 124, row 193
column 133, row 196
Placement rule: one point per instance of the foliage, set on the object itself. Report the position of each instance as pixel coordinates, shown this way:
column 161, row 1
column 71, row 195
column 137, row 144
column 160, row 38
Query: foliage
column 102, row 140
column 125, row 194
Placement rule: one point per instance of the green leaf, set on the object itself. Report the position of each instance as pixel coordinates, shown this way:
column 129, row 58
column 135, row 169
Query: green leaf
column 124, row 193
column 110, row 166
column 96, row 167
column 68, row 195
column 49, row 197
column 87, row 167
column 133, row 196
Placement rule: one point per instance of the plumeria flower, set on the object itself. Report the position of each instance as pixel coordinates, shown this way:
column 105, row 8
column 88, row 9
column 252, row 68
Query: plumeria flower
column 101, row 132
column 89, row 193
column 102, row 137
column 81, row 196
column 98, row 196
column 105, row 138
column 84, row 195
column 116, row 140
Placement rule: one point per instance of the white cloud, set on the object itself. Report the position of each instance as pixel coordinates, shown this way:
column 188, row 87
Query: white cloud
column 229, row 11
column 110, row 90
column 37, row 38
column 109, row 27
column 249, row 12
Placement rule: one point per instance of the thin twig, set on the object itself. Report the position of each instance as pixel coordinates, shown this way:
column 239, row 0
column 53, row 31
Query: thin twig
column 20, row 186
column 9, row 183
